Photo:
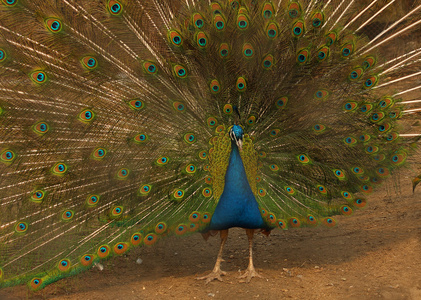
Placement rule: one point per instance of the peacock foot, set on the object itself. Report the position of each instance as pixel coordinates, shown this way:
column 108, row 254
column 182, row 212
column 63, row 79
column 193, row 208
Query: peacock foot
column 249, row 274
column 215, row 274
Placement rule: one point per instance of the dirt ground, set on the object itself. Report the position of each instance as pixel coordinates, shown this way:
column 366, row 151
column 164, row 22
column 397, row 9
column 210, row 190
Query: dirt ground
column 373, row 254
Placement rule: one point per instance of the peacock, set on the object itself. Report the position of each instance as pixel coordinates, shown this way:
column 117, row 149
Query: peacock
column 123, row 122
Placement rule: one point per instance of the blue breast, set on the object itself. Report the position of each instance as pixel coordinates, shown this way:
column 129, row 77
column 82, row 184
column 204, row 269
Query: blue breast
column 237, row 206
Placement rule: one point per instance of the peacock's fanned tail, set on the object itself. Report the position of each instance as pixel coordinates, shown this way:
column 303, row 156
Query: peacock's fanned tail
column 115, row 118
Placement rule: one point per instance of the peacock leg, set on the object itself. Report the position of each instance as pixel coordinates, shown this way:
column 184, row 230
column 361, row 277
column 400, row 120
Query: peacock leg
column 250, row 272
column 217, row 272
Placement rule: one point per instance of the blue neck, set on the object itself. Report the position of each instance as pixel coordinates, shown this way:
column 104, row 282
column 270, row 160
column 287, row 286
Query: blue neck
column 237, row 206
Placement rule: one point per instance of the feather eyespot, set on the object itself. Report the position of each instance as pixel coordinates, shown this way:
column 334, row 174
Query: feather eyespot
column 21, row 227
column 360, row 202
column 347, row 50
column 150, row 239
column 195, row 217
column 323, row 53
column 203, row 155
column 267, row 10
column 355, row 74
column 41, row 128
column 7, row 156
column 242, row 22
column 364, row 138
column 178, row 195
column 339, row 174
column 114, row 7
column 274, row 168
column 123, row 173
column 261, row 192
column 198, row 21
column 36, row 284
column 117, row 211
column 215, row 87
column 219, row 22
column 289, row 190
column 38, row 77
column 59, row 169
column 136, row 239
column 9, row 3
column 160, row 228
column 369, row 62
column 346, row 195
column 37, row 196
column 371, row 82
column 201, row 40
column 89, row 62
column 304, row 159
column 248, row 51
column 294, row 10
column 180, row 71
column 366, row 189
column 150, row 67
column 3, row 55
column 321, row 95
column 331, row 37
column 145, row 189
column 241, row 84
column 53, row 25
column 208, row 180
column 251, row 120
column 189, row 138
column 212, row 122
column 224, row 50
column 191, row 169
column 206, row 217
column 64, row 265
column 99, row 153
column 350, row 141
column 357, row 170
column 317, row 20
column 346, row 210
column 281, row 224
column 86, row 116
column 386, row 103
column 67, row 215
column 298, row 29
column 163, row 160
column 302, row 56
column 377, row 117
column 175, row 38
column 272, row 30
column 92, row 200
column 181, row 229
column 136, row 104
column 294, row 223
column 274, row 132
column 383, row 172
column 398, row 159
column 228, row 109
column 141, row 138
column 350, row 106
column 311, row 220
column 207, row 192
column 329, row 222
column 267, row 62
column 366, row 108
column 87, row 260
column 322, row 189
column 391, row 137
column 179, row 106
column 103, row 251
column 319, row 128
column 384, row 127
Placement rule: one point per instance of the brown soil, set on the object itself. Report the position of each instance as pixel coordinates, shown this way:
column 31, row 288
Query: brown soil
column 374, row 254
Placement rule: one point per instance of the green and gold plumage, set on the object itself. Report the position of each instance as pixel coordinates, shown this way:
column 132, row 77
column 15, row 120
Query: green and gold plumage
column 117, row 120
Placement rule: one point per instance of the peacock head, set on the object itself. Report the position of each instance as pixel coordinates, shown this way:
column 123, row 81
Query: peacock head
column 237, row 134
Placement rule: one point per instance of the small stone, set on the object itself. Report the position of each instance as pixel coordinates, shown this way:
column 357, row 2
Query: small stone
column 231, row 256
column 343, row 279
column 139, row 261
column 300, row 276
column 316, row 267
column 99, row 266
column 211, row 295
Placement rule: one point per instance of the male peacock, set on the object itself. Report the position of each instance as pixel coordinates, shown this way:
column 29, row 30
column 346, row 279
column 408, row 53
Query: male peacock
column 126, row 121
